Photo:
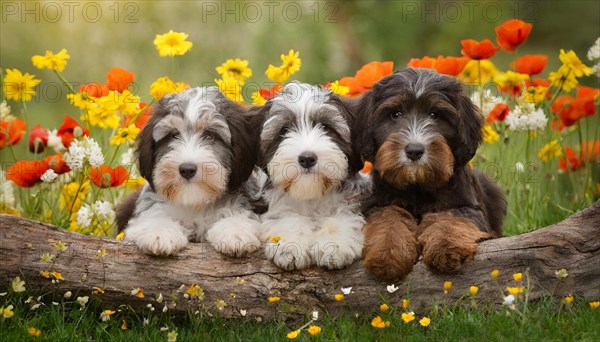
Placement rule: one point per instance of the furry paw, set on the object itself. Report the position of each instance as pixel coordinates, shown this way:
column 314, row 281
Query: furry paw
column 336, row 256
column 166, row 239
column 234, row 236
column 288, row 255
column 449, row 244
column 339, row 243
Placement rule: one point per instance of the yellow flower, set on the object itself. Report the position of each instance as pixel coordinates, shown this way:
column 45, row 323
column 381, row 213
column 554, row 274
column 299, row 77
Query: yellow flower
column 384, row 307
column 172, row 336
column 57, row 275
column 125, row 134
column 232, row 88
column 515, row 290
column 489, row 134
column 47, row 257
column 98, row 290
column 34, row 332
column 535, row 95
column 106, row 111
column 293, row 334
column 569, row 299
column 120, row 236
column 564, row 78
column 220, row 304
column 7, row 311
column 291, row 64
column 137, row 292
column 133, row 183
column 67, row 195
column 195, row 291
column 550, row 151
column 339, row 297
column 257, row 99
column 172, row 43
column 405, row 303
column 510, row 79
column 314, row 330
column 17, row 86
column 574, row 64
column 594, row 305
column 105, row 315
column 61, row 246
column 101, row 253
column 275, row 238
column 124, row 325
column 235, row 68
column 339, row 89
column 164, row 86
column 473, row 290
column 495, row 274
column 470, row 73
column 273, row 299
column 425, row 321
column 447, row 286
column 51, row 61
column 45, row 274
column 408, row 317
column 377, row 322
column 518, row 277
column 18, row 285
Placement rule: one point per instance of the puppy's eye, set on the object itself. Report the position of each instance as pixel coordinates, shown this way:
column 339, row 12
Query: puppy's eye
column 396, row 115
column 209, row 137
column 433, row 115
column 175, row 135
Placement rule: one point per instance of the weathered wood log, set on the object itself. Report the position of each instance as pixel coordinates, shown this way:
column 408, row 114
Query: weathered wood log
column 573, row 244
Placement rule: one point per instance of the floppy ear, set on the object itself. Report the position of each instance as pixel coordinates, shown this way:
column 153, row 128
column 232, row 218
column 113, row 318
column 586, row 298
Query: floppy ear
column 361, row 109
column 469, row 130
column 146, row 147
column 245, row 131
column 261, row 114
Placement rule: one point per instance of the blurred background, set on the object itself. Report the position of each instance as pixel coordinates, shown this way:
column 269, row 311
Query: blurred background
column 335, row 38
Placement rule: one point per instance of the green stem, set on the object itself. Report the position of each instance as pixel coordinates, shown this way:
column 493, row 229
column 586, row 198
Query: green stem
column 77, row 193
column 67, row 84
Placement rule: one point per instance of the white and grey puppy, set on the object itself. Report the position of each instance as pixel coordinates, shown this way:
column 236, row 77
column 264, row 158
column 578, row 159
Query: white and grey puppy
column 196, row 151
column 305, row 149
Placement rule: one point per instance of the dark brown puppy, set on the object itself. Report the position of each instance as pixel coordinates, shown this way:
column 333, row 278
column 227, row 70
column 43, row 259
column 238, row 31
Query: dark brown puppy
column 420, row 131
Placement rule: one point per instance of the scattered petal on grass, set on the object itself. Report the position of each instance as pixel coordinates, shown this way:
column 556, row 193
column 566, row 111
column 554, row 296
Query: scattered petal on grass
column 379, row 323
column 315, row 315
column 346, row 290
column 34, row 332
column 518, row 277
column 495, row 274
column 384, row 307
column 18, row 285
column 293, row 334
column 562, row 273
column 569, row 299
column 392, row 288
column 425, row 321
column 314, row 330
column 339, row 297
column 243, row 312
column 98, row 290
column 137, row 292
column 159, row 298
column 273, row 299
column 473, row 290
column 594, row 305
column 67, row 295
column 57, row 276
column 124, row 325
column 105, row 315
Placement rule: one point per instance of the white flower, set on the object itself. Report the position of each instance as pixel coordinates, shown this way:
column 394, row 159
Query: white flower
column 2, row 294
column 128, row 157
column 75, row 156
column 562, row 273
column 159, row 299
column 526, row 117
column 220, row 304
column 489, row 101
column 508, row 300
column 104, row 210
column 67, row 295
column 165, row 328
column 49, row 176
column 594, row 52
column 346, row 290
column 172, row 336
column 55, row 303
column 80, row 152
column 84, row 216
column 315, row 315
column 8, row 192
column 94, row 153
column 55, row 141
column 165, row 308
column 519, row 167
column 104, row 316
column 145, row 321
column 82, row 300
column 18, row 285
column 243, row 312
column 5, row 112
column 35, row 306
column 392, row 288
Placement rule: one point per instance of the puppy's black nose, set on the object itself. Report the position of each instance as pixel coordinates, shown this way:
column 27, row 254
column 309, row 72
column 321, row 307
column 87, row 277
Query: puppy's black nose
column 307, row 159
column 187, row 170
column 414, row 152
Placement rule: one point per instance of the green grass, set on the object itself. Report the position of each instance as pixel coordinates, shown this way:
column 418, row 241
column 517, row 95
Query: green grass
column 547, row 319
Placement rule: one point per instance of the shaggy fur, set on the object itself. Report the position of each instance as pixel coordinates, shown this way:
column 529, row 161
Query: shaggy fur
column 420, row 131
column 196, row 152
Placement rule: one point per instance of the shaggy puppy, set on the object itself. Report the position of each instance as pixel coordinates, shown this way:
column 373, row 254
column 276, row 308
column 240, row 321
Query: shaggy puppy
column 420, row 131
column 195, row 152
column 304, row 148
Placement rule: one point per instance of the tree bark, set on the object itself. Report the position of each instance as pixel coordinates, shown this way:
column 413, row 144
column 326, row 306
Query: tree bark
column 573, row 244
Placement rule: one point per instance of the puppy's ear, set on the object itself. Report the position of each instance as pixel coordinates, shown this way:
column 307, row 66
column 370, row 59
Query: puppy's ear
column 146, row 146
column 469, row 130
column 348, row 107
column 245, row 130
column 363, row 145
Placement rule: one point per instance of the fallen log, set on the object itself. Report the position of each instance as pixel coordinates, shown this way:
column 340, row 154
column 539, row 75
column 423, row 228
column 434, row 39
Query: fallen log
column 245, row 284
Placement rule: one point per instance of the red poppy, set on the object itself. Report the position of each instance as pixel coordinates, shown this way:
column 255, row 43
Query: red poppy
column 366, row 77
column 69, row 129
column 571, row 157
column 118, row 79
column 11, row 132
column 38, row 139
column 57, row 163
column 512, row 33
column 94, row 89
column 557, row 125
column 478, row 50
column 451, row 65
column 570, row 109
column 107, row 177
column 269, row 93
column 587, row 92
column 27, row 173
column 425, row 62
column 530, row 64
column 590, row 151
column 499, row 113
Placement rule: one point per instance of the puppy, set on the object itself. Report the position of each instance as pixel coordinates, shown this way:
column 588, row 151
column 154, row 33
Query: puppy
column 196, row 151
column 305, row 149
column 420, row 131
